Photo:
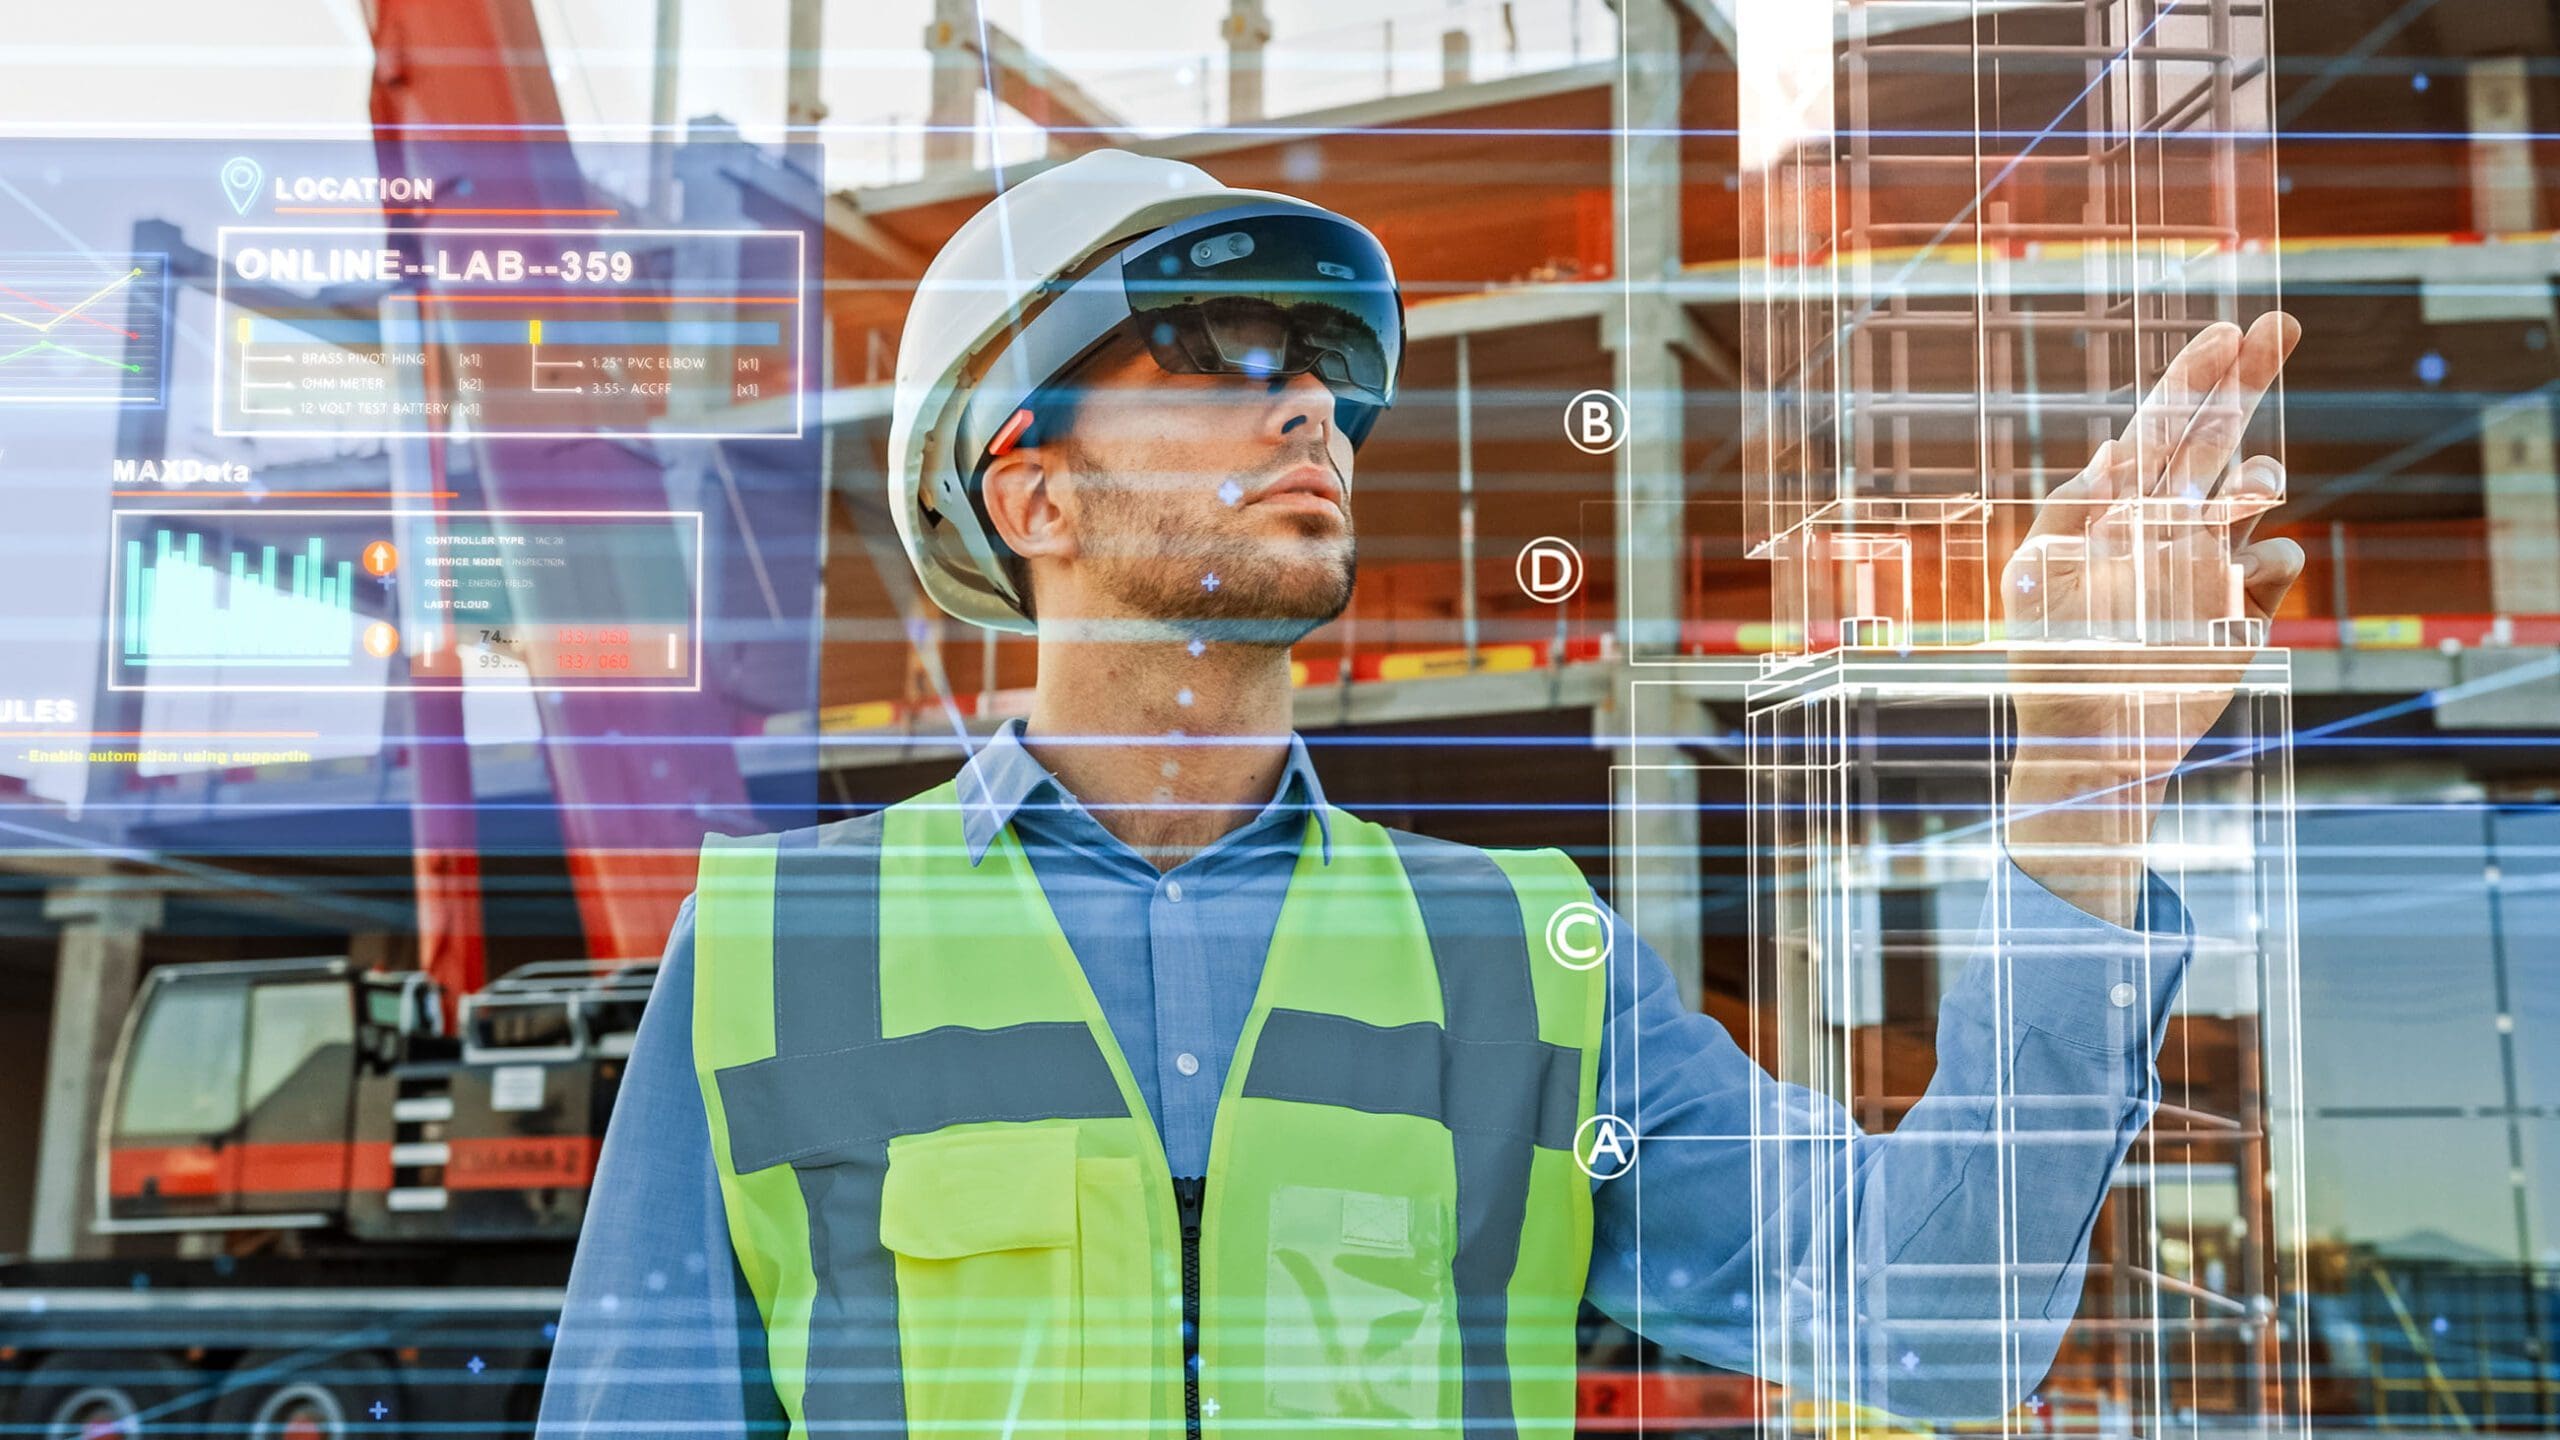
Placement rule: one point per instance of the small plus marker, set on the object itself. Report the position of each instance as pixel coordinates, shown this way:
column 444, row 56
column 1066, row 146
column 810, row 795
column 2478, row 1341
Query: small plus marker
column 379, row 1410
column 1182, row 697
column 1231, row 492
column 2026, row 584
column 1209, row 581
column 477, row 1365
column 1196, row 646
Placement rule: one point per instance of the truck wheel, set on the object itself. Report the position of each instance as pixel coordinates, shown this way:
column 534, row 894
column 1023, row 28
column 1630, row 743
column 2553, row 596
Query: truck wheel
column 96, row 1396
column 270, row 1397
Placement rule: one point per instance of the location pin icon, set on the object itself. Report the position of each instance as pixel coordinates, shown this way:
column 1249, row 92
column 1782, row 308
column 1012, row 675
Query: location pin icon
column 240, row 177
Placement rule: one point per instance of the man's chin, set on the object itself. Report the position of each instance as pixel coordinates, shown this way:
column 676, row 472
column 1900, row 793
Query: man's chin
column 1266, row 632
column 1269, row 615
column 1269, row 619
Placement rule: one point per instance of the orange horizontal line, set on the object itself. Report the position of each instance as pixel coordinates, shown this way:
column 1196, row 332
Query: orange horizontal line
column 601, row 299
column 296, row 494
column 430, row 210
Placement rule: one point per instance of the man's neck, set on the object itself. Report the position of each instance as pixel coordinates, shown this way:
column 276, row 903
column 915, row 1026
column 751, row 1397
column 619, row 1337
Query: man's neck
column 1168, row 749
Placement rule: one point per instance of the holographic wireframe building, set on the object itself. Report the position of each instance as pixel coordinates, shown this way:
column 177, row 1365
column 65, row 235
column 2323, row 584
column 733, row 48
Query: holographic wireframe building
column 1975, row 233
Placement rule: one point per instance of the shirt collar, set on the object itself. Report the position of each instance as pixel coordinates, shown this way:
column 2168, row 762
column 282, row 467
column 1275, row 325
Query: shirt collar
column 1004, row 776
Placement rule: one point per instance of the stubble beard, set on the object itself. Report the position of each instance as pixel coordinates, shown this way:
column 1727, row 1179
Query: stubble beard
column 1267, row 593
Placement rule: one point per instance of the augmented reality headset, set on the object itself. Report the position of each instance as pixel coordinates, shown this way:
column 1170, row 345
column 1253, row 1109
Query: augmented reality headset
column 1260, row 290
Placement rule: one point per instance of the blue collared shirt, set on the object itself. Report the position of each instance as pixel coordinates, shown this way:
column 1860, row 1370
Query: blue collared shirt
column 2045, row 1048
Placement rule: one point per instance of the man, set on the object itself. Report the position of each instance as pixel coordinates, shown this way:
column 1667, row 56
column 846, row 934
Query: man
column 1123, row 1086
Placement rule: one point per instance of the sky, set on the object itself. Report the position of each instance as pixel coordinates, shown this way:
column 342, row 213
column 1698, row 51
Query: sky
column 172, row 67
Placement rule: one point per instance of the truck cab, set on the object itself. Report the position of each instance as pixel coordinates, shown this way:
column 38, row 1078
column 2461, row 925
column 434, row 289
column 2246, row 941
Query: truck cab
column 231, row 1094
column 301, row 1094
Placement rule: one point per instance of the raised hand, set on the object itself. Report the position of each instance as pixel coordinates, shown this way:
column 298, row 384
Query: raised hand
column 2148, row 548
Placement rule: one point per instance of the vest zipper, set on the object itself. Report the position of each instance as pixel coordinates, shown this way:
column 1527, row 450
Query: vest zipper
column 1188, row 1198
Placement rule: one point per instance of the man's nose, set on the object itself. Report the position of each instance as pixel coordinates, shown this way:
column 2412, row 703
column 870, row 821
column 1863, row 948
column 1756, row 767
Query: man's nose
column 1299, row 401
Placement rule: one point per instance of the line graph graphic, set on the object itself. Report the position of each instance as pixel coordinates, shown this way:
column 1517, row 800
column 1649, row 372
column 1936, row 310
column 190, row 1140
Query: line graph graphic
column 83, row 329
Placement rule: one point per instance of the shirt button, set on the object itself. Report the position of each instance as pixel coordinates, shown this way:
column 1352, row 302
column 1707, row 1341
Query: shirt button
column 1173, row 891
column 1187, row 1063
column 2122, row 995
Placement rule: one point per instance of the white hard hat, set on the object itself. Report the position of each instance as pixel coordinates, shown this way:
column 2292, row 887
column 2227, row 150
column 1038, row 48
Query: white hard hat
column 971, row 308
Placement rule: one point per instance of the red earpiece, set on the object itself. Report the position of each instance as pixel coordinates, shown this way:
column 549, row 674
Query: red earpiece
column 1011, row 432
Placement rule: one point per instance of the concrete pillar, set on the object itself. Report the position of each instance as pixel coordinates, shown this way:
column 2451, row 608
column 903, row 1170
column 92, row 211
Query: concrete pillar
column 1663, row 859
column 2504, row 200
column 102, row 932
column 803, row 82
column 1457, row 59
column 951, row 116
column 1647, row 168
column 2521, row 495
column 1248, row 33
column 668, row 45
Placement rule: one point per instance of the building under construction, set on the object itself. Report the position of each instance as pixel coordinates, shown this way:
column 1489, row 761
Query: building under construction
column 1865, row 281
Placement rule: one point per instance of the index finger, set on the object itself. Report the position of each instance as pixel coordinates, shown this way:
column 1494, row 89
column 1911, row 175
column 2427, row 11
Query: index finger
column 2223, row 419
column 2162, row 421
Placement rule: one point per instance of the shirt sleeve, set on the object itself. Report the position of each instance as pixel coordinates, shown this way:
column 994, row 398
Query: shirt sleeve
column 1929, row 1271
column 659, row 1335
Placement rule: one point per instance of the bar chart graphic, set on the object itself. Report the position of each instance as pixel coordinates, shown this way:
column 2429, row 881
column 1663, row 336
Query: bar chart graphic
column 183, row 609
column 83, row 329
column 214, row 599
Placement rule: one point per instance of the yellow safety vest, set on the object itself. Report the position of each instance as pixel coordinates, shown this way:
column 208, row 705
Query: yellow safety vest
column 945, row 1190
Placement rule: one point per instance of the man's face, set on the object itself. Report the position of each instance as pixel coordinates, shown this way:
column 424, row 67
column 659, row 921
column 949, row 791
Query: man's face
column 1211, row 500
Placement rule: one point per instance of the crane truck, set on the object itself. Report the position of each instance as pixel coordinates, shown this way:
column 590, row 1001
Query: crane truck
column 329, row 1211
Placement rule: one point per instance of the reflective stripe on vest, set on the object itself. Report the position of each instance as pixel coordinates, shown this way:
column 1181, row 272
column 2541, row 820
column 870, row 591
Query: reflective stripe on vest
column 944, row 1190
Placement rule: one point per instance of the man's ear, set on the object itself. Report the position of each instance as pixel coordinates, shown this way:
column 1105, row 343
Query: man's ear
column 1024, row 503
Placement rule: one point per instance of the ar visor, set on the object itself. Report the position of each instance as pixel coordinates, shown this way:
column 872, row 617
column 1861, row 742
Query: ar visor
column 1274, row 295
column 1260, row 290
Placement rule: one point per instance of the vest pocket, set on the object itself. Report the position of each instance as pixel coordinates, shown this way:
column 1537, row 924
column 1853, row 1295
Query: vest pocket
column 1359, row 1306
column 982, row 1224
